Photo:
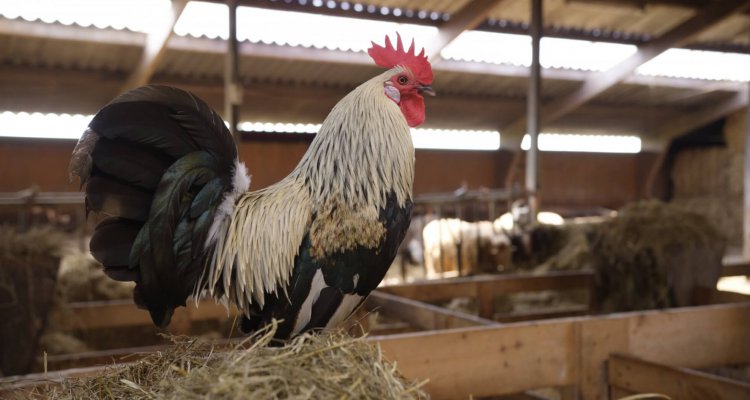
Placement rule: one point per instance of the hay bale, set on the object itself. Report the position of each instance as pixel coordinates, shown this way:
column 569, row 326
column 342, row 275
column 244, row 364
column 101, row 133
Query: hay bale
column 312, row 366
column 701, row 171
column 653, row 255
column 724, row 212
column 735, row 131
column 572, row 250
column 28, row 268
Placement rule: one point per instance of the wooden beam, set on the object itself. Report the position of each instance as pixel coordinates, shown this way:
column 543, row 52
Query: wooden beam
column 640, row 376
column 421, row 315
column 736, row 267
column 84, row 92
column 487, row 361
column 126, row 38
column 113, row 314
column 705, row 296
column 155, row 47
column 504, row 359
column 468, row 17
column 447, row 289
column 597, row 83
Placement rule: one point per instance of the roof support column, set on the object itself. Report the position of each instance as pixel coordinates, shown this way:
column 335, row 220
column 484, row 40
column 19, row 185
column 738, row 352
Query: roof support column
column 232, row 87
column 533, row 108
column 746, row 188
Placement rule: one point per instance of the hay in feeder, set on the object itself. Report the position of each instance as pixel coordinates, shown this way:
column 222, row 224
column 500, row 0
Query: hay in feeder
column 652, row 255
column 312, row 366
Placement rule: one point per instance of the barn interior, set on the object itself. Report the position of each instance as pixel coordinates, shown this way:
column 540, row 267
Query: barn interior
column 581, row 219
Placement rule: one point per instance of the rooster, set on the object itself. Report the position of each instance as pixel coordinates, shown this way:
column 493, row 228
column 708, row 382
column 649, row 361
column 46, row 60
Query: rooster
column 163, row 169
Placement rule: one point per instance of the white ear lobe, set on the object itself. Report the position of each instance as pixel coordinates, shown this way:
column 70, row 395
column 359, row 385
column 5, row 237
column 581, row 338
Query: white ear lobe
column 392, row 92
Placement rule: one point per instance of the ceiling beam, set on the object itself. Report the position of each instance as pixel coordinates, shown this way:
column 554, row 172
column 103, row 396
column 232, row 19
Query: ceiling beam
column 85, row 92
column 687, row 122
column 597, row 83
column 112, row 37
column 467, row 18
column 643, row 3
column 155, row 47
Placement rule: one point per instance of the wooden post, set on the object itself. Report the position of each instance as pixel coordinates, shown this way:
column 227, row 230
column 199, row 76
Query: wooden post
column 533, row 108
column 746, row 202
column 232, row 87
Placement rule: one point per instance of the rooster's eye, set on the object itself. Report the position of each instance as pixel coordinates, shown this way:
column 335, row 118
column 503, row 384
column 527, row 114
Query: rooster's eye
column 402, row 80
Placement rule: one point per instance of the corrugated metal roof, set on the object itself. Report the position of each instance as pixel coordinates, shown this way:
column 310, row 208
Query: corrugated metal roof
column 649, row 20
column 201, row 61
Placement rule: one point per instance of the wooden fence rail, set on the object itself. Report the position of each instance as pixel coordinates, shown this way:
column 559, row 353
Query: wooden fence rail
column 630, row 375
column 484, row 288
column 502, row 359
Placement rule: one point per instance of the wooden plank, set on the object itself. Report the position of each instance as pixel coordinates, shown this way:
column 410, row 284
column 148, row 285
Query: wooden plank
column 533, row 315
column 736, row 267
column 512, row 358
column 692, row 337
column 155, row 47
column 487, row 361
column 112, row 314
column 421, row 315
column 598, row 339
column 640, row 376
column 496, row 284
column 704, row 296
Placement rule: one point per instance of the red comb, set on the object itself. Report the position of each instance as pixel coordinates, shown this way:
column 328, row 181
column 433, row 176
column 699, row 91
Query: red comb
column 389, row 57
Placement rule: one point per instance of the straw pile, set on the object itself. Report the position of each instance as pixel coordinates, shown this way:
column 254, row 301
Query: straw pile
column 312, row 366
column 709, row 181
column 653, row 255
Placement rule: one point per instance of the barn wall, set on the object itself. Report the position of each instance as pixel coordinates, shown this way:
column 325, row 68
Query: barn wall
column 588, row 179
column 35, row 162
column 569, row 179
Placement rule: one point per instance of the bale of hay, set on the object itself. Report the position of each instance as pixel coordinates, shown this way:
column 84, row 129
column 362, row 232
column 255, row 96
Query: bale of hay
column 28, row 269
column 701, row 171
column 724, row 212
column 312, row 366
column 571, row 249
column 735, row 131
column 653, row 255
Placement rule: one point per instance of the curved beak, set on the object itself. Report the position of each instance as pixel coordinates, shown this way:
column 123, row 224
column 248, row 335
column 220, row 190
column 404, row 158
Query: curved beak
column 425, row 89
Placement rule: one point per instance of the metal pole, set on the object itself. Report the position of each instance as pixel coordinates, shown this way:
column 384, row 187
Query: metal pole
column 533, row 109
column 232, row 88
column 746, row 200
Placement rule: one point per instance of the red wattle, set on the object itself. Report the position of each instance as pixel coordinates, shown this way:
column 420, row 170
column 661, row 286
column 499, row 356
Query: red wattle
column 412, row 106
